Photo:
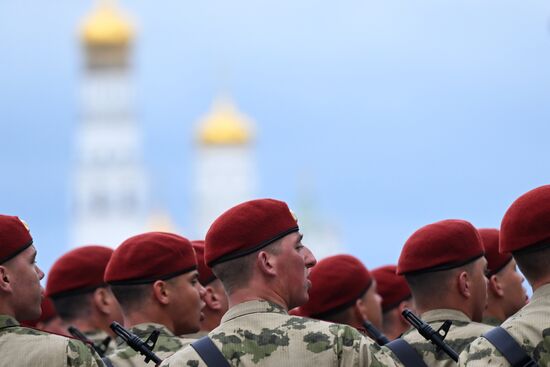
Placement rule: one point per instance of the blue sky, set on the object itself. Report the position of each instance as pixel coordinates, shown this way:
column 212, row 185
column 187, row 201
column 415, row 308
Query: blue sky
column 398, row 113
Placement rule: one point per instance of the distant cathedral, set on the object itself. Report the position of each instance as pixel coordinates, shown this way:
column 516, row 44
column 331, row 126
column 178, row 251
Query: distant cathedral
column 111, row 195
column 225, row 173
column 110, row 199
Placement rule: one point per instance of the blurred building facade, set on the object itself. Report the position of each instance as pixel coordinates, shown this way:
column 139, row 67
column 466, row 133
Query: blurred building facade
column 110, row 193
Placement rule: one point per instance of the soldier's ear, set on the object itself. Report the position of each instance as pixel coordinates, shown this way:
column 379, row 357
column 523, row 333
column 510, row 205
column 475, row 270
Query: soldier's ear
column 4, row 280
column 161, row 292
column 463, row 282
column 494, row 286
column 266, row 263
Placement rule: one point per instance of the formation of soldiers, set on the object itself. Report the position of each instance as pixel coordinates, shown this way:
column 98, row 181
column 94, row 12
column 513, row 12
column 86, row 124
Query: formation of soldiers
column 252, row 294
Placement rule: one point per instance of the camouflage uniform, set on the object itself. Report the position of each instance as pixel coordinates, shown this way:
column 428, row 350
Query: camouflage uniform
column 98, row 336
column 530, row 327
column 462, row 332
column 197, row 335
column 167, row 344
column 491, row 321
column 23, row 347
column 262, row 333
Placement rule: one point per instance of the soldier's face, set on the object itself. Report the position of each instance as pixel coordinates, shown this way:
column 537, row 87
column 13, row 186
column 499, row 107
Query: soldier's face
column 514, row 294
column 479, row 288
column 293, row 263
column 374, row 306
column 23, row 276
column 186, row 302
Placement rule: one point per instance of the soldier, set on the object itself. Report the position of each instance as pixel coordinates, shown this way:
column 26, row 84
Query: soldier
column 525, row 232
column 20, row 296
column 81, row 297
column 396, row 296
column 505, row 293
column 154, row 277
column 444, row 267
column 49, row 320
column 343, row 291
column 256, row 250
column 215, row 299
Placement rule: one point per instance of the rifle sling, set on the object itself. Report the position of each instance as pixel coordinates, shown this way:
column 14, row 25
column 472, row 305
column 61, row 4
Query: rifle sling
column 209, row 353
column 509, row 347
column 406, row 354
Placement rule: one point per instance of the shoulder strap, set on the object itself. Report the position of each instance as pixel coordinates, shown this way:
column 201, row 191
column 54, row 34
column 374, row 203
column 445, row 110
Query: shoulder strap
column 406, row 354
column 209, row 353
column 107, row 362
column 509, row 347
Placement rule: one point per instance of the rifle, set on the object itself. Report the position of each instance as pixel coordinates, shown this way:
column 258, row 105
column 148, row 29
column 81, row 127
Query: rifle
column 435, row 337
column 101, row 349
column 376, row 334
column 145, row 348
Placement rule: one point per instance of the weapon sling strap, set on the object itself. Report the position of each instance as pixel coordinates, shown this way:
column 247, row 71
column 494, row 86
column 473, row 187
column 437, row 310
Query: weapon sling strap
column 107, row 362
column 406, row 354
column 209, row 353
column 510, row 349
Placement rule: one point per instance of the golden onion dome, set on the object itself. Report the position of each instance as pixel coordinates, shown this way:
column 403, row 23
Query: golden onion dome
column 224, row 124
column 107, row 26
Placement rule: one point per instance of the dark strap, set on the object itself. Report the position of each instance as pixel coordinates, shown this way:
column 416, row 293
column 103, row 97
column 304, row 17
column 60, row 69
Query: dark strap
column 209, row 353
column 107, row 362
column 406, row 354
column 509, row 347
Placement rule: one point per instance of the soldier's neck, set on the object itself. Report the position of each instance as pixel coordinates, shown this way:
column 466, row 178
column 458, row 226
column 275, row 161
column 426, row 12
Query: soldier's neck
column 247, row 294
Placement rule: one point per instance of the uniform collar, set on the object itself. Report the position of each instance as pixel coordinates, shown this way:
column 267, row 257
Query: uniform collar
column 443, row 314
column 8, row 321
column 250, row 307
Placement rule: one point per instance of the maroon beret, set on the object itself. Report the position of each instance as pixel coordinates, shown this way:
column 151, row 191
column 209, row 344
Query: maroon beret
column 148, row 257
column 526, row 224
column 14, row 237
column 391, row 287
column 336, row 283
column 205, row 273
column 495, row 260
column 78, row 271
column 246, row 228
column 440, row 246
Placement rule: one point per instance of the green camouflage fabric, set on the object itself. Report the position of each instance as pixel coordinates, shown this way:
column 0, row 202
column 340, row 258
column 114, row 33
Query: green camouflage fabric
column 98, row 336
column 167, row 344
column 462, row 332
column 24, row 347
column 260, row 333
column 197, row 335
column 491, row 321
column 530, row 327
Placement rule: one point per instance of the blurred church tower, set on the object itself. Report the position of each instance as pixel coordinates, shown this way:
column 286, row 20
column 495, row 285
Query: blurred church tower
column 225, row 173
column 110, row 193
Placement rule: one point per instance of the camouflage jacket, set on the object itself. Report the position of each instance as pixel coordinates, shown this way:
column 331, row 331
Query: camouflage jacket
column 167, row 344
column 197, row 335
column 24, row 347
column 98, row 337
column 530, row 326
column 462, row 332
column 260, row 333
column 491, row 321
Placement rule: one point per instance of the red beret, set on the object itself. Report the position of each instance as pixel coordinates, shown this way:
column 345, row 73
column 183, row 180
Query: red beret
column 246, row 228
column 148, row 257
column 78, row 271
column 391, row 287
column 495, row 260
column 526, row 224
column 14, row 237
column 205, row 273
column 337, row 282
column 440, row 246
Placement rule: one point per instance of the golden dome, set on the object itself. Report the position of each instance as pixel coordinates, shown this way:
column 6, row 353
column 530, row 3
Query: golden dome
column 160, row 221
column 224, row 124
column 106, row 26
